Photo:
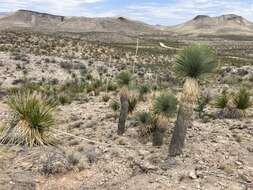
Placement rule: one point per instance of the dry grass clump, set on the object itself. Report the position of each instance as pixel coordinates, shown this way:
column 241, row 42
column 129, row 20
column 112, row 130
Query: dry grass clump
column 233, row 105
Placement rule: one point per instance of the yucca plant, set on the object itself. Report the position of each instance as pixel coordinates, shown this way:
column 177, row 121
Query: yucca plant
column 191, row 64
column 165, row 104
column 124, row 78
column 132, row 102
column 145, row 120
column 124, row 97
column 114, row 105
column 164, row 107
column 32, row 119
column 221, row 101
column 143, row 90
column 242, row 99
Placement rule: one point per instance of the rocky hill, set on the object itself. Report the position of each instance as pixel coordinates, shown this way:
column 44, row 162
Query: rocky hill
column 225, row 24
column 24, row 19
column 121, row 29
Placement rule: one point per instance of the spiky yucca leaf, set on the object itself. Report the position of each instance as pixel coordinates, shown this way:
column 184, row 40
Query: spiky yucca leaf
column 242, row 100
column 33, row 117
column 195, row 61
column 165, row 104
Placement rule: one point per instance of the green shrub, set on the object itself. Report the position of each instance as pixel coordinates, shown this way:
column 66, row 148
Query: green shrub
column 221, row 101
column 242, row 100
column 144, row 118
column 165, row 104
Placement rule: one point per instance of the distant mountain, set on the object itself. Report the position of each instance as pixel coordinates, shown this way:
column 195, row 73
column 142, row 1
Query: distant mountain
column 121, row 28
column 221, row 25
column 31, row 20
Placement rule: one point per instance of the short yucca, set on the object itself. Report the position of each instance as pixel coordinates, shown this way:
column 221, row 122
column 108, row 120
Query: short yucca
column 242, row 99
column 32, row 119
column 221, row 101
column 165, row 104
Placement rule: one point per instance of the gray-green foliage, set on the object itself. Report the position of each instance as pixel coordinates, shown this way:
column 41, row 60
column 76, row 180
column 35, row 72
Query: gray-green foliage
column 165, row 104
column 195, row 61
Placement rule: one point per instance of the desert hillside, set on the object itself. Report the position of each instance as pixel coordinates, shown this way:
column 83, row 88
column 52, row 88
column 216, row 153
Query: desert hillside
column 24, row 19
column 221, row 25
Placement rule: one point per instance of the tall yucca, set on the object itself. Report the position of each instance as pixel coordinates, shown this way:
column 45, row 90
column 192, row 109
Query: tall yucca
column 124, row 80
column 32, row 116
column 191, row 64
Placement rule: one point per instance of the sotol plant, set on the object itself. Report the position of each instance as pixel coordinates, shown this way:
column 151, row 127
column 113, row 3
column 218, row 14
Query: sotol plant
column 32, row 119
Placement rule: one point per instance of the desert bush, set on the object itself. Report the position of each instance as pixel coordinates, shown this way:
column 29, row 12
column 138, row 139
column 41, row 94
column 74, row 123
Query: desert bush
column 32, row 118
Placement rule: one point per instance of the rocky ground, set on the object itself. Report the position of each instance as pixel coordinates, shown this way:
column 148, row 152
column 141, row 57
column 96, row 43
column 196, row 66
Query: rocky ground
column 88, row 154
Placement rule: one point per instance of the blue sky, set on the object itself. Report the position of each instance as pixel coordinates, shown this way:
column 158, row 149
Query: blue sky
column 164, row 12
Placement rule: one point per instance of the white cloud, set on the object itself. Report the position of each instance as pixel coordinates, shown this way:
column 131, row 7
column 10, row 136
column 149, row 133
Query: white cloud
column 182, row 10
column 52, row 6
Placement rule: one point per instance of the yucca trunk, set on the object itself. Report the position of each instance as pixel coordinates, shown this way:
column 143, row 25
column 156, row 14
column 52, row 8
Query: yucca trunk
column 184, row 118
column 124, row 110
